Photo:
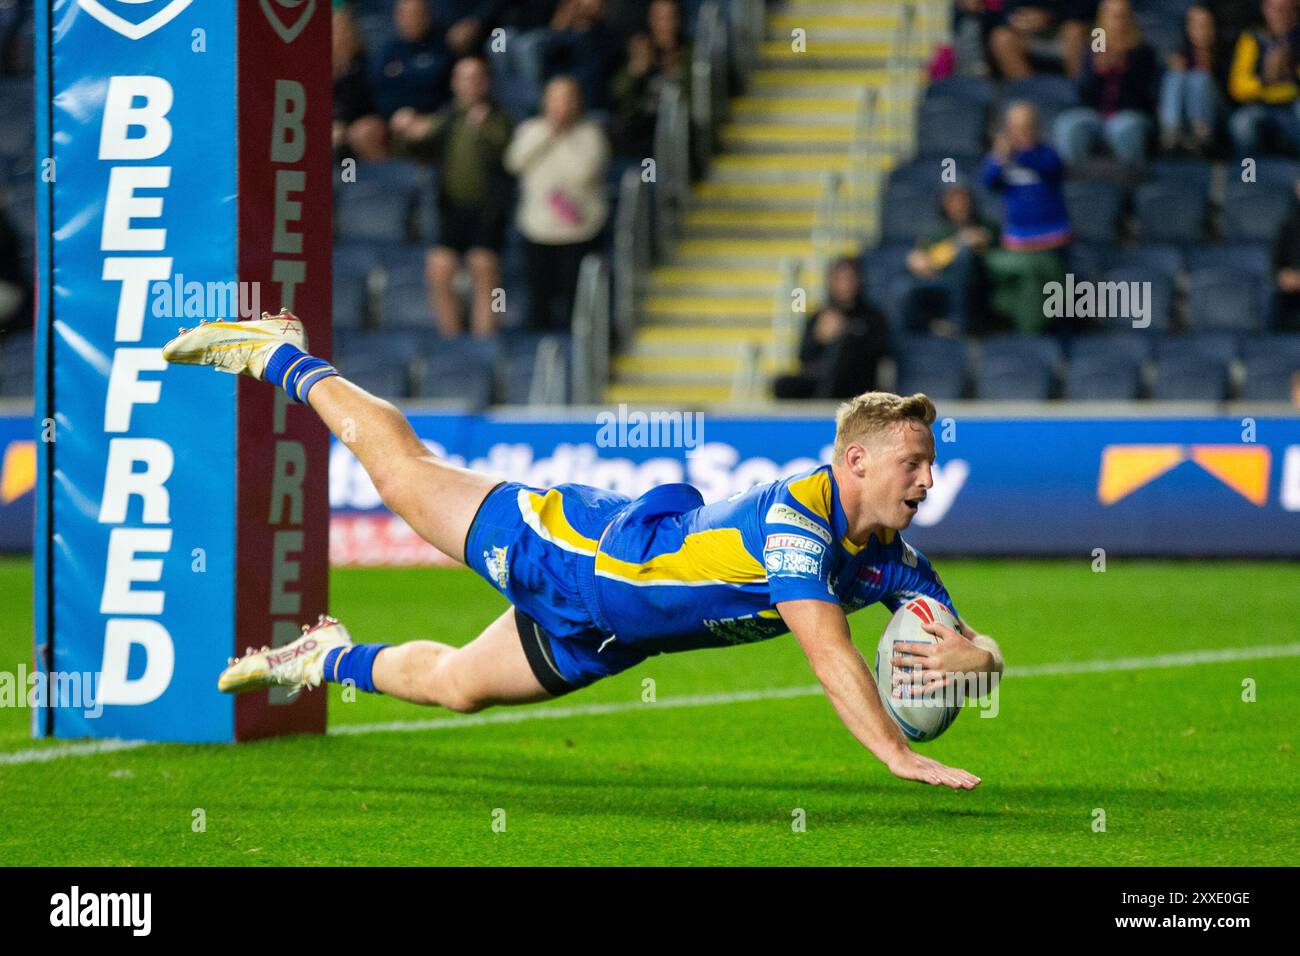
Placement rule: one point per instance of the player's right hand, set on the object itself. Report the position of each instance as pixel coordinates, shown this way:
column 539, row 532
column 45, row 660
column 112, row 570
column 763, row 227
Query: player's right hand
column 910, row 765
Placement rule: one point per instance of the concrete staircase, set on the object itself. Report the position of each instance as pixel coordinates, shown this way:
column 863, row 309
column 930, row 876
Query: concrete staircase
column 717, row 292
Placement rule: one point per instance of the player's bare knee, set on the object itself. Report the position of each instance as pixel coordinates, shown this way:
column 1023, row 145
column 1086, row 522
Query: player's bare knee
column 451, row 689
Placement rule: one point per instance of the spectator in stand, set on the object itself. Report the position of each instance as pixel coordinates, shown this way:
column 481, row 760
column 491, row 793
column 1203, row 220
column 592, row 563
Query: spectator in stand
column 470, row 22
column 467, row 139
column 15, row 283
column 1025, row 32
column 358, row 131
column 1286, row 272
column 1035, row 227
column 654, row 58
column 1195, row 86
column 948, row 266
column 843, row 342
column 560, row 159
column 1118, row 89
column 415, row 65
column 582, row 45
column 1262, row 82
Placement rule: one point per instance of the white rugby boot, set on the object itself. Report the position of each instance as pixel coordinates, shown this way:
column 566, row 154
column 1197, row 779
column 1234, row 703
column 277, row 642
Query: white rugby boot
column 241, row 348
column 298, row 664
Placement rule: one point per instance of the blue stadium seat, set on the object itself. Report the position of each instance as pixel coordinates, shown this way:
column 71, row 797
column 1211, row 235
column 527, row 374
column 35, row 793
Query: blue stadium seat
column 17, row 365
column 1017, row 367
column 1170, row 212
column 1126, row 348
column 1100, row 378
column 1253, row 212
column 934, row 365
column 974, row 90
column 1165, row 259
column 380, row 204
column 1088, row 260
column 1224, row 300
column 520, row 361
column 1284, row 345
column 404, row 302
column 1253, row 257
column 909, row 210
column 1051, row 94
column 1220, row 347
column 1268, row 379
column 1189, row 377
column 949, row 128
column 461, row 370
column 1161, row 300
column 351, row 289
column 379, row 361
column 1096, row 209
column 1193, row 174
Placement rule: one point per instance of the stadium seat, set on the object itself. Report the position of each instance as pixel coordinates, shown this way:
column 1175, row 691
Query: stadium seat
column 1268, row 379
column 1131, row 347
column 1161, row 296
column 520, row 363
column 1051, row 94
column 1189, row 377
column 1220, row 347
column 17, row 365
column 461, row 370
column 379, row 360
column 1165, row 259
column 974, row 90
column 1253, row 212
column 1088, row 260
column 404, row 301
column 936, row 366
column 380, row 204
column 909, row 210
column 1224, row 300
column 1099, row 378
column 1096, row 209
column 351, row 289
column 1253, row 257
column 1170, row 212
column 1017, row 367
column 1194, row 174
column 1277, row 172
column 950, row 128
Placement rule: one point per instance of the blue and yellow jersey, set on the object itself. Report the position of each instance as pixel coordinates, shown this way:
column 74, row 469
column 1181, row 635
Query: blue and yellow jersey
column 672, row 573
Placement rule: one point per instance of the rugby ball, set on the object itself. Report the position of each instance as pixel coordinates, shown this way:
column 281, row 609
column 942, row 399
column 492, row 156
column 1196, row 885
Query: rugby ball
column 922, row 715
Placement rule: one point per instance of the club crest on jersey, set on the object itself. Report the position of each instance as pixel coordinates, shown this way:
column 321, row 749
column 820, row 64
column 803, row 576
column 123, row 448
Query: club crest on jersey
column 784, row 514
column 497, row 566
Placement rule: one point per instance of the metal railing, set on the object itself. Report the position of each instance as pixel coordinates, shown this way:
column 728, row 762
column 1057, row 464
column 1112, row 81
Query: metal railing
column 747, row 25
column 710, row 82
column 591, row 331
column 672, row 166
column 633, row 251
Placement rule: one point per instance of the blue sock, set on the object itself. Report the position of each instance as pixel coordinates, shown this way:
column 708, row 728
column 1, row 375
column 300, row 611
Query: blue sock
column 295, row 371
column 355, row 662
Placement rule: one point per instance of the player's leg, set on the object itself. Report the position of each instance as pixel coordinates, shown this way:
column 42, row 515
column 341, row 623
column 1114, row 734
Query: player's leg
column 491, row 669
column 436, row 499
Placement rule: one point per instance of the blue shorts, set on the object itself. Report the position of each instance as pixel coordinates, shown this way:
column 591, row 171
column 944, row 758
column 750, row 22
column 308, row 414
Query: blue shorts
column 537, row 547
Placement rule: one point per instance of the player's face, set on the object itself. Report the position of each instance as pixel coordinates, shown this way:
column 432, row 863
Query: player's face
column 898, row 473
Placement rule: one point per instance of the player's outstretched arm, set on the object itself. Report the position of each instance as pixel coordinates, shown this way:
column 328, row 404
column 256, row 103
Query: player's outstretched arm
column 823, row 632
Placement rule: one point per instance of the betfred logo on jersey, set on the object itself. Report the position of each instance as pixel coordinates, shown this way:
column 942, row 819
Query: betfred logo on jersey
column 798, row 542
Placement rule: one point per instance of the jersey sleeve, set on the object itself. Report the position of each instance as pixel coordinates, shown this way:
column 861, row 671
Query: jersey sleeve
column 797, row 551
column 910, row 574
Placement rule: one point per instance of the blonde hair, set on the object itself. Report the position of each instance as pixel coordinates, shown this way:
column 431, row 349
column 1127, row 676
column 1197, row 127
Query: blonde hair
column 861, row 418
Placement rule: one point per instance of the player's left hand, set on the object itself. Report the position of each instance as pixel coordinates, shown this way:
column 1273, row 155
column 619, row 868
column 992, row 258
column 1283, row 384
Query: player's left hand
column 938, row 664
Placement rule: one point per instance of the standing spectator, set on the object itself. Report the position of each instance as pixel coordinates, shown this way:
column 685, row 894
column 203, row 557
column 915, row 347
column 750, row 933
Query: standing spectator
column 948, row 265
column 1035, row 226
column 357, row 129
column 654, row 59
column 560, row 159
column 1286, row 272
column 1022, row 31
column 1118, row 89
column 467, row 139
column 414, row 67
column 583, row 46
column 1263, row 82
column 469, row 23
column 843, row 342
column 1195, row 85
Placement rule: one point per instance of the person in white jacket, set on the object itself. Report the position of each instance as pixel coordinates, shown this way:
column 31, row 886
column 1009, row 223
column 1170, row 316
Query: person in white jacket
column 561, row 161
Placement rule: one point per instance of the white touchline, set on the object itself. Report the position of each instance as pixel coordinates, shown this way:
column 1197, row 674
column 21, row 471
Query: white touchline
column 524, row 715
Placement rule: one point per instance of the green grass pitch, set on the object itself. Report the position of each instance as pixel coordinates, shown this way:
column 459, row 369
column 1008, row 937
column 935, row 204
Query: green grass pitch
column 1185, row 770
